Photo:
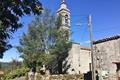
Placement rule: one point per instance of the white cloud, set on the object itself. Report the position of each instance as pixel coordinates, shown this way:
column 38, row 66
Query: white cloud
column 86, row 42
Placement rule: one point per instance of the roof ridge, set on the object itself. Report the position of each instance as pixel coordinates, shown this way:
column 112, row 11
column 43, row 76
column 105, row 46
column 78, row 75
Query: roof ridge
column 107, row 39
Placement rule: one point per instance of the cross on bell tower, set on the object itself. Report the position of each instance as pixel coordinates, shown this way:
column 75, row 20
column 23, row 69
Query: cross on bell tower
column 64, row 12
column 63, row 1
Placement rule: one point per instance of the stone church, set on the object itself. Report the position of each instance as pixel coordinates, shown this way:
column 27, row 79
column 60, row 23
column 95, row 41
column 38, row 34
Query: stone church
column 79, row 58
column 106, row 52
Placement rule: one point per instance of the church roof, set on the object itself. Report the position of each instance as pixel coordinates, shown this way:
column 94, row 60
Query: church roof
column 85, row 47
column 106, row 39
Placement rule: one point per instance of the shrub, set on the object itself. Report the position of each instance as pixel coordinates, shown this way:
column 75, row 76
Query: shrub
column 16, row 73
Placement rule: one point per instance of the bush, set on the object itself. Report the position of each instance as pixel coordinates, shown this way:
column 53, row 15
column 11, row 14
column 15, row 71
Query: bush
column 16, row 73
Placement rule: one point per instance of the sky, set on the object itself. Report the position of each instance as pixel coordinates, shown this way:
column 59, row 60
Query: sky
column 105, row 22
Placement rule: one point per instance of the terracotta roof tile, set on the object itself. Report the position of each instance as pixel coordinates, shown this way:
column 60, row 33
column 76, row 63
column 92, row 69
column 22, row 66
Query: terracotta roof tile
column 84, row 47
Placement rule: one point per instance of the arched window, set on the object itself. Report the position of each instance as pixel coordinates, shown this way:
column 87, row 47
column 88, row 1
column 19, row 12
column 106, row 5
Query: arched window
column 66, row 19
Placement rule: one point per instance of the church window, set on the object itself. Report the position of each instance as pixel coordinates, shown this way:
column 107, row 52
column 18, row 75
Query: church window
column 66, row 19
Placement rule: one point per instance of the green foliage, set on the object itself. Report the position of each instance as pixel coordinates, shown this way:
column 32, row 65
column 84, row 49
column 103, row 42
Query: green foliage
column 61, row 48
column 62, row 43
column 16, row 73
column 10, row 13
column 45, row 41
column 35, row 45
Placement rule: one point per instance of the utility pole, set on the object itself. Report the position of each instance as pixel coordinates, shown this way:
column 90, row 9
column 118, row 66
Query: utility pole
column 91, row 45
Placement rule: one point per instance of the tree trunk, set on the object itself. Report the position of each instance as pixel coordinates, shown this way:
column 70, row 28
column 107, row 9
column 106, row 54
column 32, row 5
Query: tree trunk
column 59, row 67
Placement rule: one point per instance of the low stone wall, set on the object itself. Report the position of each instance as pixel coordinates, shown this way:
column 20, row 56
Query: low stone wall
column 60, row 77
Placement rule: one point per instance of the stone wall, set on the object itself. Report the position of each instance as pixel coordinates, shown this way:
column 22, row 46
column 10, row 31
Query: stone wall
column 78, row 60
column 85, row 60
column 106, row 53
column 60, row 77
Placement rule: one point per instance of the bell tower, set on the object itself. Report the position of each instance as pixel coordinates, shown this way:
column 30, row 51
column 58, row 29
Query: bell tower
column 64, row 13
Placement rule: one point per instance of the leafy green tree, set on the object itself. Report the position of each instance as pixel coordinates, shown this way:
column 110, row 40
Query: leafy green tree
column 36, row 43
column 10, row 13
column 61, row 48
column 45, row 42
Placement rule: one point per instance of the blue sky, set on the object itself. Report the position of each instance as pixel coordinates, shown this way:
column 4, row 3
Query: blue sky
column 105, row 21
